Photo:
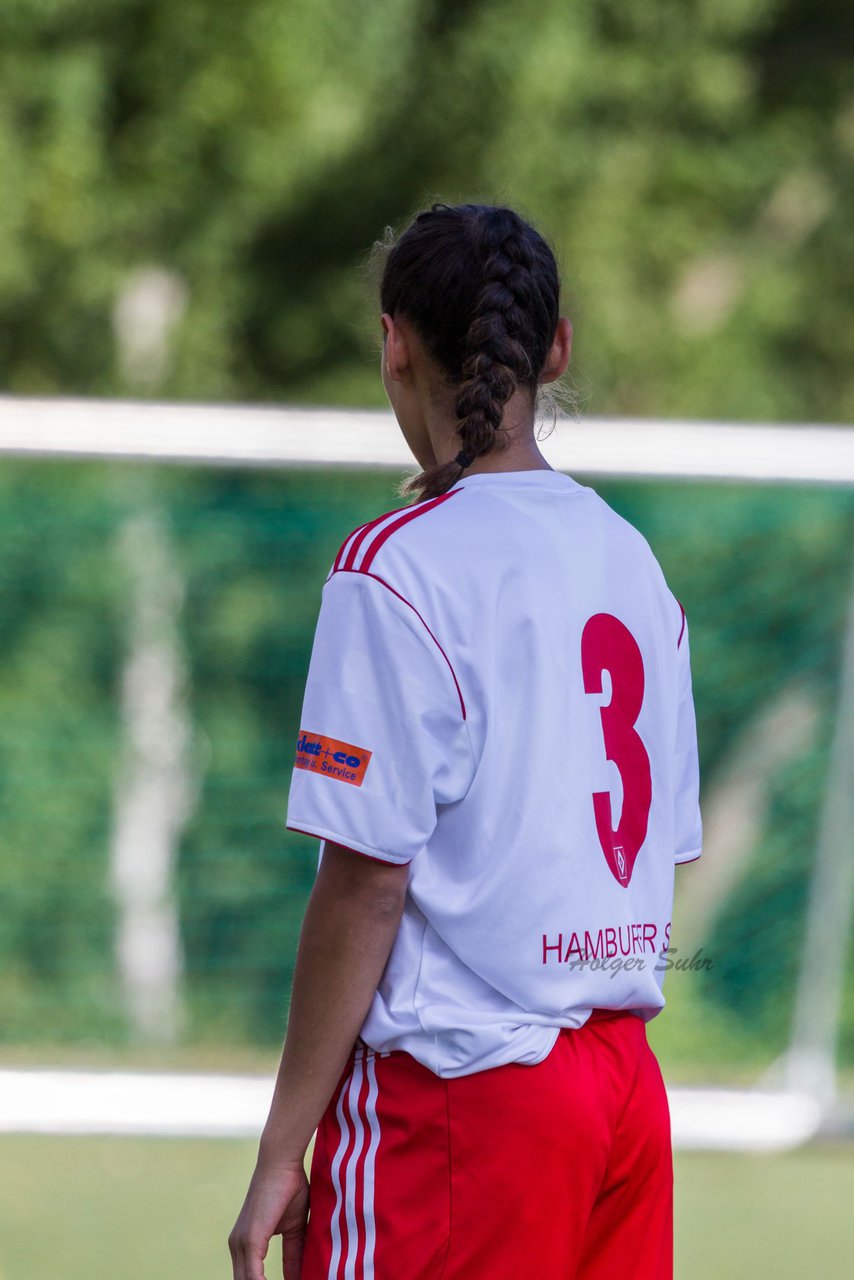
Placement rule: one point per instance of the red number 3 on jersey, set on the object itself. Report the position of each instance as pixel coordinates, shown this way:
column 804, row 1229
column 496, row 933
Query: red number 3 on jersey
column 607, row 644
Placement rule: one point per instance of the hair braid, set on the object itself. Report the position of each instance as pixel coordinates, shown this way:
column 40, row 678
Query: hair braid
column 495, row 361
column 481, row 287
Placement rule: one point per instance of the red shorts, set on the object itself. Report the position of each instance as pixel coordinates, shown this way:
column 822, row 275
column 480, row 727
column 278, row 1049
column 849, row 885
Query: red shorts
column 558, row 1171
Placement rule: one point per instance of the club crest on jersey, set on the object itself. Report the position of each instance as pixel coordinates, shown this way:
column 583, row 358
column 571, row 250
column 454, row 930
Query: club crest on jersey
column 332, row 758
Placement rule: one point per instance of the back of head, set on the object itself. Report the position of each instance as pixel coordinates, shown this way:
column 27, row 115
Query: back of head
column 481, row 288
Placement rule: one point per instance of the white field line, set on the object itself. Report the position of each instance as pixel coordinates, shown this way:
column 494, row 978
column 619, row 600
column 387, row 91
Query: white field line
column 37, row 1100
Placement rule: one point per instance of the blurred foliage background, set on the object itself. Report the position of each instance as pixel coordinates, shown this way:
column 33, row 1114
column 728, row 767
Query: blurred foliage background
column 692, row 164
column 190, row 196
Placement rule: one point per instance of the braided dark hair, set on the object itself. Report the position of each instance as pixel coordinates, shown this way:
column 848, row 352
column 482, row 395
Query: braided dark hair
column 481, row 288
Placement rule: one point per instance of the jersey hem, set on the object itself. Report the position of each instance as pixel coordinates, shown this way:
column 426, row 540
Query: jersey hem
column 421, row 1053
column 557, row 1031
column 357, row 846
column 691, row 856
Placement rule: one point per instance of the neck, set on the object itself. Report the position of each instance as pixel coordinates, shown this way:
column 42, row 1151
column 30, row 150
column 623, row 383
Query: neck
column 523, row 456
column 517, row 449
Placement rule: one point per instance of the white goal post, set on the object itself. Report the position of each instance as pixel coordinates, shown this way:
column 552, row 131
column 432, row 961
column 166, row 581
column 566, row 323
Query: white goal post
column 293, row 437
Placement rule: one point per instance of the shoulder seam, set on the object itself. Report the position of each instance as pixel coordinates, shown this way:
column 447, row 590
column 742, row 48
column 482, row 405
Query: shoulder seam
column 376, row 578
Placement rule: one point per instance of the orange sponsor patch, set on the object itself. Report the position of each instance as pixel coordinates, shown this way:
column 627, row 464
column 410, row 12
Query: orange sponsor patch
column 332, row 758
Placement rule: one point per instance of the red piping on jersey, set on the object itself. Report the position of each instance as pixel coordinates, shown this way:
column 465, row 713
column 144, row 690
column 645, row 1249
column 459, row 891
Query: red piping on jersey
column 300, row 832
column 684, row 862
column 359, row 535
column 390, row 588
column 412, row 514
column 682, row 632
column 386, row 862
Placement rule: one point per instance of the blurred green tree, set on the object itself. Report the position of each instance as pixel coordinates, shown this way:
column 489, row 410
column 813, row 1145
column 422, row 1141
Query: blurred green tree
column 693, row 165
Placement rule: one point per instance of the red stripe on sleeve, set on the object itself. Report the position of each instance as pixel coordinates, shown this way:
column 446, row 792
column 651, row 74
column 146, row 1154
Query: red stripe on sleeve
column 359, row 536
column 413, row 514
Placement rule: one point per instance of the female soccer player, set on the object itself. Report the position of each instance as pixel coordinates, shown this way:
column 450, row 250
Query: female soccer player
column 498, row 753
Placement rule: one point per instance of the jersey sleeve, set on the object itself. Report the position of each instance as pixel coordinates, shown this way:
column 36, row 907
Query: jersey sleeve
column 383, row 741
column 688, row 826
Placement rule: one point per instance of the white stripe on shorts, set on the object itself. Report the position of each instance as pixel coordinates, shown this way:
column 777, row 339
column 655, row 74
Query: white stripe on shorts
column 351, row 1208
column 336, row 1179
column 370, row 1159
column 353, row 1214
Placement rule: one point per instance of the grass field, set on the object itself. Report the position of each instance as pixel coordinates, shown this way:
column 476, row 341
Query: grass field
column 161, row 1209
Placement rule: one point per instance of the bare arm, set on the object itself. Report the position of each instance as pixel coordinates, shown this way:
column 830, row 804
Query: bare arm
column 349, row 927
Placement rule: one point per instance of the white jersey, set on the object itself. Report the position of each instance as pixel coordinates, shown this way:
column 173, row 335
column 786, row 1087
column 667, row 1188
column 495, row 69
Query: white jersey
column 500, row 696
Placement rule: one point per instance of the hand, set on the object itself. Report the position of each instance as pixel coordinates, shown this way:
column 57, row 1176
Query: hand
column 276, row 1204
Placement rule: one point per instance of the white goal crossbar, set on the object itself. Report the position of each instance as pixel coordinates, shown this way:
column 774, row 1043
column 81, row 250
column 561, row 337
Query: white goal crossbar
column 255, row 436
